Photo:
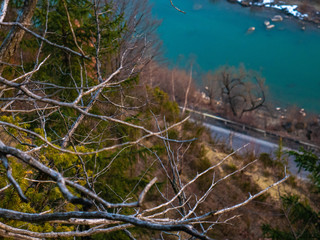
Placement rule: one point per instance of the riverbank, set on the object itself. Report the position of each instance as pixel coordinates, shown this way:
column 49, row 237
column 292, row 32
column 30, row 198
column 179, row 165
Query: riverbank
column 305, row 11
column 294, row 125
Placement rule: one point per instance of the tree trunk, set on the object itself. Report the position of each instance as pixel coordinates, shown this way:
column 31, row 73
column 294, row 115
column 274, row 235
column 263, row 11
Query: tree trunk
column 14, row 37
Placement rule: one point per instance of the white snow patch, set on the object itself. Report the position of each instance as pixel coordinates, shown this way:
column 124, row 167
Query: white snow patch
column 263, row 3
column 267, row 1
column 291, row 9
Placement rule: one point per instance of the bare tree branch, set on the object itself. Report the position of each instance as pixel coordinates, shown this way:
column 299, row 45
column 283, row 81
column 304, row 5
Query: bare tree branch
column 172, row 4
column 3, row 9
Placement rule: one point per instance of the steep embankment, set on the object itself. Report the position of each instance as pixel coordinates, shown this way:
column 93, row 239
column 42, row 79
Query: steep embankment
column 246, row 222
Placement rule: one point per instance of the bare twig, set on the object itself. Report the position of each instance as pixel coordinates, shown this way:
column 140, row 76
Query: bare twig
column 172, row 4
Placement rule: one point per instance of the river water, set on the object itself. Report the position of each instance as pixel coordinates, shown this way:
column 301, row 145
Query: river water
column 215, row 32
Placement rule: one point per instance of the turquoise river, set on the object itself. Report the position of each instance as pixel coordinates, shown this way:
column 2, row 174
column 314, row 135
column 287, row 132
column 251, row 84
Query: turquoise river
column 216, row 33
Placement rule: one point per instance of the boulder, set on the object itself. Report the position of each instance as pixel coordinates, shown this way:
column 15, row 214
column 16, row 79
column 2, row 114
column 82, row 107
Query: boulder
column 316, row 21
column 245, row 4
column 270, row 26
column 277, row 18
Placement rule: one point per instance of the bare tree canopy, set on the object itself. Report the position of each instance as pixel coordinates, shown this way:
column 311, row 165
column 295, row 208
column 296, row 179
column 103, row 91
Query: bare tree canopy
column 240, row 90
column 74, row 120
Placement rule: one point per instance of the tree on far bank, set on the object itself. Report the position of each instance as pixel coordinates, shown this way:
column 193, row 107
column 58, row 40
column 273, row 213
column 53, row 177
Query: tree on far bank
column 240, row 90
column 210, row 82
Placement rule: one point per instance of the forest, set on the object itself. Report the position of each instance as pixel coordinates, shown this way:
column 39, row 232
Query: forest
column 93, row 144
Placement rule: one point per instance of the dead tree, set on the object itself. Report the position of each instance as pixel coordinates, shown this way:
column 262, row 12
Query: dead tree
column 241, row 90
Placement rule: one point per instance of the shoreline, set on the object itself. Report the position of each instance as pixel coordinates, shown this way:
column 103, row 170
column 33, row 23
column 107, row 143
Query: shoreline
column 305, row 13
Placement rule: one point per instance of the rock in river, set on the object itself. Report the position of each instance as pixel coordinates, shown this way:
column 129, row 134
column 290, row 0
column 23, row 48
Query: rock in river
column 251, row 29
column 277, row 18
column 270, row 26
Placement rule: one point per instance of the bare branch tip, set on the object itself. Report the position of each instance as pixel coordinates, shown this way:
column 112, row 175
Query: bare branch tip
column 145, row 190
